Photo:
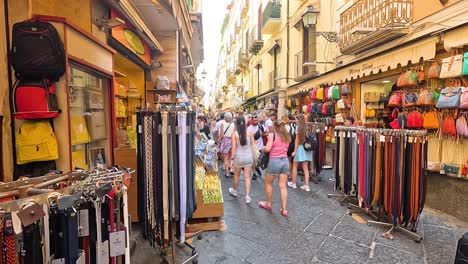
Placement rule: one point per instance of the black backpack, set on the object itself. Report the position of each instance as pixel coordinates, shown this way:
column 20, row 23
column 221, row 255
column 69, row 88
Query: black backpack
column 37, row 51
column 292, row 143
column 462, row 250
column 310, row 141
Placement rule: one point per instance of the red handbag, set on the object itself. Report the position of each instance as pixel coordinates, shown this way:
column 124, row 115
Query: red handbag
column 395, row 100
column 325, row 94
column 324, row 108
column 448, row 126
column 415, row 120
column 394, row 124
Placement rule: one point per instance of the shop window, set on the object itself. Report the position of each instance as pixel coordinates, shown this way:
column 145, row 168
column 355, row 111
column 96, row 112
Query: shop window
column 89, row 118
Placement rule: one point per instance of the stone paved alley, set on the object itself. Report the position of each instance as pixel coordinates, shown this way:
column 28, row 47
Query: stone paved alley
column 318, row 230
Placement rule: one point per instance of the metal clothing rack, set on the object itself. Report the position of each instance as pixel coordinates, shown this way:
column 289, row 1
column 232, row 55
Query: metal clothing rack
column 168, row 249
column 355, row 208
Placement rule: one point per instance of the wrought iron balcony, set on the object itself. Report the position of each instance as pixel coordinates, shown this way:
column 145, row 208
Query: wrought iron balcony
column 255, row 41
column 309, row 55
column 271, row 17
column 242, row 59
column 370, row 23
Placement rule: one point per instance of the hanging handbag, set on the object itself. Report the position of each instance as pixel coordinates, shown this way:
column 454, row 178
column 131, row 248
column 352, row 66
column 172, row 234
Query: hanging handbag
column 431, row 120
column 395, row 100
column 319, row 108
column 425, row 98
column 263, row 160
column 409, row 100
column 434, row 71
column 370, row 113
column 415, row 120
column 313, row 108
column 35, row 141
column 408, row 78
column 330, row 108
column 402, row 120
column 79, row 130
column 288, row 103
column 339, row 118
column 344, row 90
column 451, row 67
column 384, row 99
column 448, row 126
column 449, row 98
column 324, row 108
column 341, row 104
column 462, row 126
column 297, row 102
column 394, row 124
column 313, row 94
column 421, row 76
column 335, row 94
column 465, row 64
column 464, row 98
column 319, row 94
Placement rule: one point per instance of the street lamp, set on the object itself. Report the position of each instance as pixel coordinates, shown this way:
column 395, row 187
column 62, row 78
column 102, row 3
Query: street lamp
column 309, row 18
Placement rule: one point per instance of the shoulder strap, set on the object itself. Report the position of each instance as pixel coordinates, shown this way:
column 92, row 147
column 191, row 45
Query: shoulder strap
column 227, row 128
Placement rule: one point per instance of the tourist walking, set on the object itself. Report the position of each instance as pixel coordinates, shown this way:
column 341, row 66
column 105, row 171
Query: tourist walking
column 300, row 154
column 242, row 157
column 256, row 130
column 226, row 129
column 278, row 166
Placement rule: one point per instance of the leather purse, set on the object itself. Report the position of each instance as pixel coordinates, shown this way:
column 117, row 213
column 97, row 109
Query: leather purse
column 434, row 71
column 409, row 100
column 464, row 98
column 402, row 120
column 319, row 94
column 462, row 126
column 449, row 168
column 448, row 126
column 465, row 64
column 449, row 97
column 339, row 118
column 324, row 109
column 313, row 94
column 415, row 120
column 395, row 100
column 341, row 104
column 384, row 99
column 431, row 120
column 407, row 78
column 425, row 98
column 451, row 67
column 344, row 90
column 335, row 92
column 330, row 108
column 371, row 97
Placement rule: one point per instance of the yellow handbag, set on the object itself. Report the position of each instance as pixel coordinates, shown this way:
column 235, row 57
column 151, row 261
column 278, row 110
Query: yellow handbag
column 79, row 159
column 320, row 93
column 79, row 130
column 370, row 113
column 35, row 141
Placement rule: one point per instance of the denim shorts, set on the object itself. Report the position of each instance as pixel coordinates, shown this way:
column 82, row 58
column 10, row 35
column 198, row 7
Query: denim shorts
column 277, row 166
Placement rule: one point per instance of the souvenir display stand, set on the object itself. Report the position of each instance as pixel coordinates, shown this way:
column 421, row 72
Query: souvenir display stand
column 381, row 172
column 78, row 217
column 209, row 194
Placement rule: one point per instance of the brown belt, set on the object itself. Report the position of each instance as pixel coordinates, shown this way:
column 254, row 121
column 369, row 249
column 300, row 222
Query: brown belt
column 377, row 183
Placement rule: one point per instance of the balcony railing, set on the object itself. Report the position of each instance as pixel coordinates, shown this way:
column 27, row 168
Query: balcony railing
column 242, row 58
column 300, row 58
column 271, row 16
column 365, row 17
column 255, row 41
column 273, row 76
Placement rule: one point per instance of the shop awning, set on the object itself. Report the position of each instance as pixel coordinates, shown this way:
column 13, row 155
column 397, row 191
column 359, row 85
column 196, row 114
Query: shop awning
column 456, row 38
column 409, row 54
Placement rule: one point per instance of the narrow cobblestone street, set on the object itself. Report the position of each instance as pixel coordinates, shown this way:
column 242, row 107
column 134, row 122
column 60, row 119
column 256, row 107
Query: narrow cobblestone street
column 318, row 230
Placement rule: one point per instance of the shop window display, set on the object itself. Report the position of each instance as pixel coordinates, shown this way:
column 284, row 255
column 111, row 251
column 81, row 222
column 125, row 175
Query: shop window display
column 89, row 126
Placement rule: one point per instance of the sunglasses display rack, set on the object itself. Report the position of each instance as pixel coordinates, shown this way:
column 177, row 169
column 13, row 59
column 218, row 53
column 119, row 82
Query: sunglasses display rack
column 381, row 172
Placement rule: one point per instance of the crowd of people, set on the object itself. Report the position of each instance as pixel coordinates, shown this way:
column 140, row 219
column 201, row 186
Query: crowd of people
column 239, row 136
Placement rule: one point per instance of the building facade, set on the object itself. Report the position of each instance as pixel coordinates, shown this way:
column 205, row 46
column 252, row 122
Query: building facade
column 122, row 49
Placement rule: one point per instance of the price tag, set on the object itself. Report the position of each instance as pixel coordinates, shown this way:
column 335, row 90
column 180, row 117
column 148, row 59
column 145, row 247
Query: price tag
column 83, row 223
column 326, row 128
column 382, row 138
column 410, row 139
column 104, row 252
column 349, row 134
column 16, row 223
column 81, row 259
column 370, row 143
column 117, row 243
column 317, row 130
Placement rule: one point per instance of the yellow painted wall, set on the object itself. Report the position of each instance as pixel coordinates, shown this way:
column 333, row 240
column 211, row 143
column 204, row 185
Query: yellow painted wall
column 76, row 11
column 424, row 8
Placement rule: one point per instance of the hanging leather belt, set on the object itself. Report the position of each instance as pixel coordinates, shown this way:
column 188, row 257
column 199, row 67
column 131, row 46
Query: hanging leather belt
column 157, row 181
column 111, row 196
column 377, row 180
column 10, row 246
column 31, row 252
column 337, row 161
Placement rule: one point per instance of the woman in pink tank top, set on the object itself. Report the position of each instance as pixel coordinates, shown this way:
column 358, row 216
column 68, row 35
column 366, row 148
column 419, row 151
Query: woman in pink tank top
column 278, row 165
